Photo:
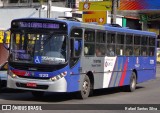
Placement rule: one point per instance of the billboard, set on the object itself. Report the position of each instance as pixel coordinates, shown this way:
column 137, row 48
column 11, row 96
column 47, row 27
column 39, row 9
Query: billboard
column 96, row 6
column 139, row 4
column 99, row 17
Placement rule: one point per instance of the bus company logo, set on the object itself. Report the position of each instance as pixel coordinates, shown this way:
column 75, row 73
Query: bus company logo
column 27, row 74
column 108, row 64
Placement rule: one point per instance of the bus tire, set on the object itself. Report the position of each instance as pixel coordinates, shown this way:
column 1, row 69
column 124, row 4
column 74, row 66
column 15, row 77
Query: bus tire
column 85, row 88
column 133, row 81
column 38, row 94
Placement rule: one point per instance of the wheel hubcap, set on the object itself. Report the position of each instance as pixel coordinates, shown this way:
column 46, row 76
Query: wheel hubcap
column 85, row 87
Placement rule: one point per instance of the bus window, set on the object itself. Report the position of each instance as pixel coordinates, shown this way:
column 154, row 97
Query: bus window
column 120, row 39
column 137, row 40
column 89, row 36
column 78, row 47
column 144, row 40
column 137, row 50
column 100, row 43
column 129, row 39
column 111, row 37
column 151, row 51
column 119, row 49
column 151, row 41
column 76, row 32
column 89, row 42
column 144, row 51
column 76, row 42
column 101, row 37
column 110, row 50
column 89, row 49
column 100, row 49
column 128, row 50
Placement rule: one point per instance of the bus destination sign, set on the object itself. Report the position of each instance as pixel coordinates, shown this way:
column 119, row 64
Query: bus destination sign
column 39, row 25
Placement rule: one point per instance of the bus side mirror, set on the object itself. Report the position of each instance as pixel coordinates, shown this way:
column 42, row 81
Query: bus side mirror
column 5, row 43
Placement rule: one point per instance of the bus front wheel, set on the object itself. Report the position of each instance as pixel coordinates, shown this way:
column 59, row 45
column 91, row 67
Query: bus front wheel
column 85, row 88
column 133, row 81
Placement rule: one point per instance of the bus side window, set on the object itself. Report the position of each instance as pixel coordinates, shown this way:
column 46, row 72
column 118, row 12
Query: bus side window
column 89, row 42
column 78, row 47
column 89, row 49
column 136, row 50
column 144, row 51
column 98, row 52
column 151, row 51
column 144, row 40
column 129, row 50
column 111, row 38
column 111, row 50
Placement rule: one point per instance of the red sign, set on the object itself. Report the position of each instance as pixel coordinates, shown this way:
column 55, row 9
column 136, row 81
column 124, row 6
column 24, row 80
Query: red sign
column 31, row 84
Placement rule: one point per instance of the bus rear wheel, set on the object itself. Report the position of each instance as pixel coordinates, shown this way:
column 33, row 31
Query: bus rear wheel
column 133, row 81
column 85, row 88
column 38, row 94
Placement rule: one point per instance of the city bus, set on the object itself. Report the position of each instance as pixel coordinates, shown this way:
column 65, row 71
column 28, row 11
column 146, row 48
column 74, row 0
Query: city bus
column 52, row 55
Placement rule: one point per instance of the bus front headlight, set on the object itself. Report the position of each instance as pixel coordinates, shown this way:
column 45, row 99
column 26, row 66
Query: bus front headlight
column 59, row 76
column 12, row 74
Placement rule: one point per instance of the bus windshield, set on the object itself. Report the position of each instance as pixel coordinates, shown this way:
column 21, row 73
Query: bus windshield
column 38, row 48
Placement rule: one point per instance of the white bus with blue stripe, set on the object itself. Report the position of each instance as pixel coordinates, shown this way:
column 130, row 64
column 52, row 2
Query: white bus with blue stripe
column 51, row 55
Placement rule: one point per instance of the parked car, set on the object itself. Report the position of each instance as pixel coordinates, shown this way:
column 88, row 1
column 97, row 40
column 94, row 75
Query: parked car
column 3, row 74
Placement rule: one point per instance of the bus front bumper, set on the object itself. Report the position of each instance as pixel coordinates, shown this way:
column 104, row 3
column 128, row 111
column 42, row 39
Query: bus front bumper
column 37, row 85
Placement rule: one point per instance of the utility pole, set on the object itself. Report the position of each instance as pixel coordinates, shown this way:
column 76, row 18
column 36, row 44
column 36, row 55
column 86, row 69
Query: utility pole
column 114, row 12
column 49, row 8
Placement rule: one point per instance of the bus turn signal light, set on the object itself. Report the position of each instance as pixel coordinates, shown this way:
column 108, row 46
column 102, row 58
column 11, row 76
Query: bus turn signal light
column 59, row 76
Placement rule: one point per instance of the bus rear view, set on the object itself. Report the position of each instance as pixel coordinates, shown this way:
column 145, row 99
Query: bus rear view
column 38, row 55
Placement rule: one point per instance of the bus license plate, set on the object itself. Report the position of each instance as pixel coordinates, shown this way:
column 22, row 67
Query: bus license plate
column 31, row 84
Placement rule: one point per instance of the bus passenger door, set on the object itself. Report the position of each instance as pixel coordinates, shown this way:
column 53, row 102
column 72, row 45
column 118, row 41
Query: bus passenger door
column 74, row 61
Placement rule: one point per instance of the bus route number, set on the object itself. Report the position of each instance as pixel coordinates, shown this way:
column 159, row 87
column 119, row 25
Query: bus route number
column 43, row 75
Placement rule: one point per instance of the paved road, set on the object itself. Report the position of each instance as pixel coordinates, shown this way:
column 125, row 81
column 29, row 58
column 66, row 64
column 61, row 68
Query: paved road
column 146, row 93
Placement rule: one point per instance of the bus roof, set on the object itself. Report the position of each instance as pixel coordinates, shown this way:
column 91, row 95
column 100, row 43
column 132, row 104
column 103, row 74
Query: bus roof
column 95, row 26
